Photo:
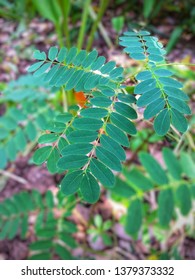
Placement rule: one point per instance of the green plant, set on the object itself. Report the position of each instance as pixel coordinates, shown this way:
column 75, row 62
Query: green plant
column 52, row 228
column 93, row 137
column 100, row 230
column 174, row 186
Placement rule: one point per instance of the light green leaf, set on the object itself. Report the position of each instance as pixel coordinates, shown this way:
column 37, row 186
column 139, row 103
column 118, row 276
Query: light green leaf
column 172, row 163
column 134, row 217
column 165, row 207
column 153, row 168
column 183, row 198
column 138, row 179
column 188, row 165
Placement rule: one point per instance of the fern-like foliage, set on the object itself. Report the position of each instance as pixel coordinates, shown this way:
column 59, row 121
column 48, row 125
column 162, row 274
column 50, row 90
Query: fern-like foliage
column 77, row 69
column 87, row 143
column 53, row 233
column 26, row 88
column 160, row 93
column 19, row 126
column 175, row 186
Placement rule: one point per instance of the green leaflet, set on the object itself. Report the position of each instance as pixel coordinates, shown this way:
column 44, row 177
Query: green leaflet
column 145, row 86
column 62, row 252
column 35, row 66
column 20, row 140
column 3, row 157
column 100, row 101
column 64, row 118
column 90, row 188
column 102, row 173
column 178, row 121
column 138, row 179
column 134, row 217
column 165, row 207
column 163, row 73
column 82, row 136
column 123, row 123
column 188, row 165
column 53, row 51
column 176, row 93
column 109, row 159
column 183, row 199
column 117, row 134
column 144, row 75
column 77, row 149
column 10, row 150
column 52, row 161
column 153, row 168
column 122, row 189
column 62, row 54
column 179, row 105
column 71, row 182
column 126, row 98
column 96, row 113
column 162, row 122
column 149, row 97
column 62, row 143
column 42, row 154
column 31, row 131
column 48, row 138
column 125, row 110
column 39, row 55
column 112, row 146
column 42, row 69
column 40, row 245
column 170, row 82
column 87, row 124
column 172, row 163
column 72, row 161
column 154, row 108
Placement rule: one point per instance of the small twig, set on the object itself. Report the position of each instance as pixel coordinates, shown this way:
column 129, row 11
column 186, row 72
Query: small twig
column 14, row 177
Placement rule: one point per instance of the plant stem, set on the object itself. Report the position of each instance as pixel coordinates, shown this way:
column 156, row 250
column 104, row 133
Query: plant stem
column 59, row 35
column 65, row 7
column 64, row 100
column 102, row 8
column 13, row 176
column 83, row 24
